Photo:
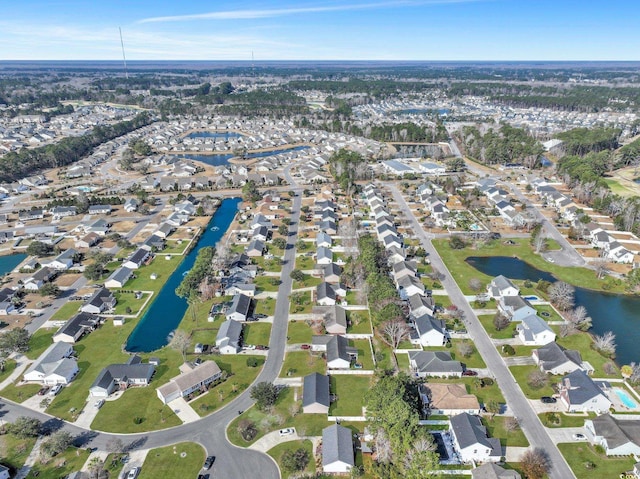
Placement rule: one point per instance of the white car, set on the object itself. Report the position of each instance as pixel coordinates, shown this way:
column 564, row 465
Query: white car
column 98, row 404
column 133, row 473
column 55, row 390
column 286, row 432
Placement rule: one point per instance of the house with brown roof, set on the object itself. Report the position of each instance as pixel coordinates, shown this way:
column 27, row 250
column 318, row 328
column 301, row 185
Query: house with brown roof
column 448, row 399
column 190, row 379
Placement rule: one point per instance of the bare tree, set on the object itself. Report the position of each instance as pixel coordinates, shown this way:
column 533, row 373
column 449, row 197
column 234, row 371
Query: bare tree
column 537, row 379
column 511, row 424
column 580, row 318
column 562, row 295
column 534, row 463
column 635, row 373
column 500, row 322
column 602, row 269
column 606, row 343
column 475, row 285
column 568, row 329
column 465, row 349
column 540, row 241
column 383, row 446
column 180, row 342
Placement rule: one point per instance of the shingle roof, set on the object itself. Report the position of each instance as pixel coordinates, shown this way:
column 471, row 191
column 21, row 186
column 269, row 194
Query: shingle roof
column 337, row 445
column 469, row 431
column 581, row 387
column 617, row 432
column 316, row 390
column 553, row 355
column 493, row 471
column 435, row 362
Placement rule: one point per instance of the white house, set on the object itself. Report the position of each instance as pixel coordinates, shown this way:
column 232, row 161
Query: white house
column 502, row 286
column 229, row 337
column 617, row 437
column 554, row 359
column 54, row 366
column 579, row 393
column 534, row 331
column 471, row 440
column 430, row 331
column 337, row 450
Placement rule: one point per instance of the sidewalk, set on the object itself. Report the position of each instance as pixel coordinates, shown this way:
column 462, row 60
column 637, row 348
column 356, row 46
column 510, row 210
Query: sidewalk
column 30, row 460
column 22, row 362
column 272, row 439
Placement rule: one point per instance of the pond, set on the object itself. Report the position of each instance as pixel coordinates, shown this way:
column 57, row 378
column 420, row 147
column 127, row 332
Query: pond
column 9, row 262
column 224, row 135
column 167, row 309
column 618, row 313
column 223, row 158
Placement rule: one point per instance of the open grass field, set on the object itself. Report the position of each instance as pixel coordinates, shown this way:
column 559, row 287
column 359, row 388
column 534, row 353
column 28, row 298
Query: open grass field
column 583, row 342
column 301, row 363
column 566, row 420
column 580, row 455
column 266, row 306
column 299, row 332
column 128, row 304
column 278, row 451
column 495, row 427
column 487, row 322
column 463, row 272
column 173, row 462
column 161, row 267
column 21, row 393
column 350, row 391
column 14, row 450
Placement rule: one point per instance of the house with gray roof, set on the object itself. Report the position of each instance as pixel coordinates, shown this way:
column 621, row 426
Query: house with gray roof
column 491, row 470
column 430, row 331
column 331, row 273
column 554, row 359
column 434, row 363
column 580, row 393
column 502, row 286
column 100, row 209
column 54, row 366
column 617, row 437
column 192, row 377
column 403, row 268
column 333, row 317
column 421, row 305
column 119, row 277
column 122, row 376
column 316, row 397
column 337, row 450
column 76, row 327
column 137, row 259
column 164, row 230
column 408, row 286
column 323, row 239
column 471, row 440
column 534, row 331
column 154, row 242
column 100, row 301
column 255, row 248
column 324, row 255
column 338, row 352
column 229, row 337
column 239, row 309
column 39, row 278
column 325, row 294
column 515, row 307
column 62, row 262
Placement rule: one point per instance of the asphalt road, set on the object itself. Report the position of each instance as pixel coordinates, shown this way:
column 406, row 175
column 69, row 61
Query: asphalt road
column 518, row 404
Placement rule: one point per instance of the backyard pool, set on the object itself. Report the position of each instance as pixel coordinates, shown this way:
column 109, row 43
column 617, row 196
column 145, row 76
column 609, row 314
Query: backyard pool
column 626, row 400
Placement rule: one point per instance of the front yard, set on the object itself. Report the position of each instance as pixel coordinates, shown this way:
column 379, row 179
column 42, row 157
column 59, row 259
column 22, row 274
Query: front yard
column 173, row 462
column 521, row 373
column 496, row 428
column 277, row 452
column 301, row 363
column 586, row 463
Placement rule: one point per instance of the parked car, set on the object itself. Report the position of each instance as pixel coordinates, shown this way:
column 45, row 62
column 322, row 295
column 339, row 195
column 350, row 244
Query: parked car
column 43, row 390
column 469, row 372
column 305, row 346
column 261, row 347
column 133, row 473
column 260, row 316
column 548, row 400
column 286, row 432
column 98, row 404
column 203, row 476
column 209, row 462
column 579, row 437
column 55, row 390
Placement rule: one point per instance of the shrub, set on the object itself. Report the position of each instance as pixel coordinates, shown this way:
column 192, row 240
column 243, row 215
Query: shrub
column 508, row 350
column 252, row 362
column 138, row 420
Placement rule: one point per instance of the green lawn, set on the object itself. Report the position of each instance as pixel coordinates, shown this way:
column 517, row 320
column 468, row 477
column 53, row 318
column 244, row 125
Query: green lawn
column 19, row 394
column 14, row 451
column 350, row 391
column 61, row 465
column 582, row 342
column 473, row 361
column 487, row 322
column 173, row 462
column 566, row 420
column 484, row 394
column 305, row 262
column 113, row 464
column 302, row 363
column 519, row 349
column 549, row 313
column 359, row 322
column 582, row 454
column 240, row 377
column 403, row 362
column 495, row 427
column 257, row 333
column 175, row 247
column 307, row 282
column 305, row 306
column 364, row 353
column 521, row 374
column 39, row 341
column 8, row 368
column 299, row 332
column 161, row 267
column 128, row 300
column 266, row 306
column 267, row 283
column 280, row 449
column 462, row 272
column 66, row 311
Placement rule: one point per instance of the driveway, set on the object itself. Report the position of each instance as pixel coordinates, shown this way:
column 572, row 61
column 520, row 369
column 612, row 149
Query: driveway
column 518, row 404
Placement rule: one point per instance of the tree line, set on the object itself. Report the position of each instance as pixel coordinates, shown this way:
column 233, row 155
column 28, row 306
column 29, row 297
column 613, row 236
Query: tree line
column 507, row 145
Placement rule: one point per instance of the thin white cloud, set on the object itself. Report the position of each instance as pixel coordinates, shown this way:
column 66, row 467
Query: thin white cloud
column 281, row 12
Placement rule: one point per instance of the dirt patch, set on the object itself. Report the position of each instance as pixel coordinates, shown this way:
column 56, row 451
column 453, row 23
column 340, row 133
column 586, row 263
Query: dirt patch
column 200, row 221
column 66, row 280
column 123, row 226
column 183, row 233
column 14, row 321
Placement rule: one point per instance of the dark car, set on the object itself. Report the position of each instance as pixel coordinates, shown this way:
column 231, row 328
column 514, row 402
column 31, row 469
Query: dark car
column 548, row 399
column 260, row 315
column 469, row 372
column 208, row 462
column 261, row 347
column 305, row 346
column 44, row 390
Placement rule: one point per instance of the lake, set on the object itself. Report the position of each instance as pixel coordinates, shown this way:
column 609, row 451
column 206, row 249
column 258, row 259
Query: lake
column 224, row 135
column 167, row 309
column 219, row 159
column 618, row 313
column 9, row 262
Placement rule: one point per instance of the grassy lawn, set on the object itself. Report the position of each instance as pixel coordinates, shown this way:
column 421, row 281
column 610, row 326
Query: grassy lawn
column 299, row 332
column 278, row 451
column 39, row 341
column 175, row 247
column 128, row 300
column 302, row 363
column 522, row 372
column 359, row 322
column 173, row 462
column 59, row 466
column 403, row 362
column 582, row 454
column 305, row 262
column 113, row 464
column 267, row 283
column 566, row 420
column 364, row 353
column 9, row 366
column 582, row 342
column 266, row 306
column 19, row 394
column 14, row 451
column 352, row 298
column 462, row 272
column 240, row 377
column 350, row 391
column 473, row 361
column 496, row 428
column 66, row 311
column 161, row 267
column 305, row 306
column 487, row 322
column 257, row 333
column 519, row 349
column 307, row 282
column 548, row 313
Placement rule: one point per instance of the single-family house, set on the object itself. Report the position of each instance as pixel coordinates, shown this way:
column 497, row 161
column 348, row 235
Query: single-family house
column 100, row 226
column 337, row 450
column 580, row 393
column 323, row 240
column 239, row 309
column 316, row 397
column 403, row 268
column 62, row 212
column 137, row 259
column 119, row 277
column 448, row 399
column 100, row 209
column 618, row 437
column 87, row 241
column 131, row 205
column 191, row 378
column 38, row 279
column 76, row 327
column 515, row 307
column 430, row 331
column 62, row 262
column 54, row 366
column 338, row 352
column 6, row 303
column 122, row 376
column 491, row 470
column 255, row 248
column 434, row 363
column 420, row 305
column 502, row 286
column 331, row 273
column 334, row 318
column 154, row 242
column 101, row 300
column 408, row 286
column 261, row 233
column 471, row 440
column 554, row 359
column 35, row 214
column 534, row 331
column 229, row 337
column 325, row 294
column 324, row 256
column 164, row 230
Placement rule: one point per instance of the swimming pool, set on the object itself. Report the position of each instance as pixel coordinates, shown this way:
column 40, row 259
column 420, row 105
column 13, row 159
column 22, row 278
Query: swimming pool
column 626, row 400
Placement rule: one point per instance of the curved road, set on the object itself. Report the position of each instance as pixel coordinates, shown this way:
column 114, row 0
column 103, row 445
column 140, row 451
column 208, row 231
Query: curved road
column 529, row 422
column 231, row 462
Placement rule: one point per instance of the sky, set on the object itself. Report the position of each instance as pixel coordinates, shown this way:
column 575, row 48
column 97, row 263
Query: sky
column 436, row 30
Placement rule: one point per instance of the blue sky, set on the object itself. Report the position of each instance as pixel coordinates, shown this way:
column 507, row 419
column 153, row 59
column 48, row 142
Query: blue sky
column 321, row 30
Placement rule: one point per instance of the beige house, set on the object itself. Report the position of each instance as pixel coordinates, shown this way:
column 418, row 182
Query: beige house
column 448, row 399
column 191, row 379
